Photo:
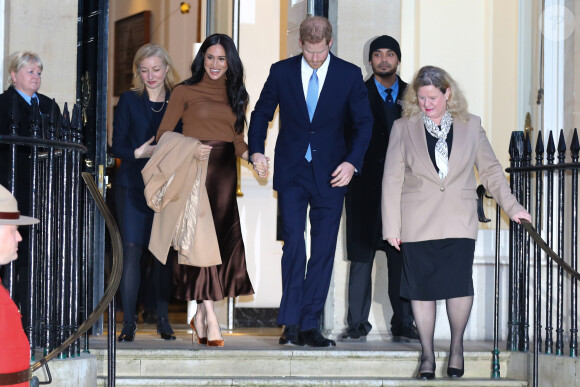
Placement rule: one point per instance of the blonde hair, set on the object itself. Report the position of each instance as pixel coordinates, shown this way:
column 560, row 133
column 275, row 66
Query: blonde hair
column 20, row 59
column 147, row 51
column 437, row 77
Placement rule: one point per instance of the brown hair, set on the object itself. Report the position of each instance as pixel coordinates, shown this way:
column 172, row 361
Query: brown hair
column 315, row 28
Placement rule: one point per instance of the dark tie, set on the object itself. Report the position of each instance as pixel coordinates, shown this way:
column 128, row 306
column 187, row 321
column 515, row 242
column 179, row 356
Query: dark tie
column 389, row 96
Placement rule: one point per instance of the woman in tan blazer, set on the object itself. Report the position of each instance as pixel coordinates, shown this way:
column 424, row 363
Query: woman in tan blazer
column 429, row 205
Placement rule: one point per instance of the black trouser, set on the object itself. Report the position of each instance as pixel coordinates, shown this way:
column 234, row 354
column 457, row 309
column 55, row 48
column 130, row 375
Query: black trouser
column 360, row 293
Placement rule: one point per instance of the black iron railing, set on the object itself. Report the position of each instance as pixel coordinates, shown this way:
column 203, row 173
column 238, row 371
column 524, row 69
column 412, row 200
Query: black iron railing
column 44, row 175
column 109, row 296
column 49, row 161
column 550, row 192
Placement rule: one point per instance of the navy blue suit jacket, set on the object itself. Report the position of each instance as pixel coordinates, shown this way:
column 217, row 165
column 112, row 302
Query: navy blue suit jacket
column 134, row 124
column 343, row 93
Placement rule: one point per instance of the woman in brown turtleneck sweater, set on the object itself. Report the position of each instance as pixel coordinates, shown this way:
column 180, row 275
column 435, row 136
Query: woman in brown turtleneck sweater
column 212, row 106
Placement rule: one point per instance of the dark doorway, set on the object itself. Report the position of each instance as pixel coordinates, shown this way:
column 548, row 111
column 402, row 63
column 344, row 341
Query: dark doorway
column 91, row 94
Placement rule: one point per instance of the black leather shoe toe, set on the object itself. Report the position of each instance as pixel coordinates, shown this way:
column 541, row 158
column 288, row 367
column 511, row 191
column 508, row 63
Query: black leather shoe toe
column 454, row 373
column 406, row 333
column 291, row 335
column 313, row 338
column 353, row 334
column 426, row 375
column 167, row 336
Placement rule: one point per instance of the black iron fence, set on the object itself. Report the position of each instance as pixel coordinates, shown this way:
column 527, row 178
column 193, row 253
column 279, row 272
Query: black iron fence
column 48, row 163
column 544, row 257
column 43, row 171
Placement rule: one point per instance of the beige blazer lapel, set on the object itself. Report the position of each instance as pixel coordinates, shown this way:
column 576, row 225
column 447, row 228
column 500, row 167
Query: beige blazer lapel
column 419, row 142
column 459, row 159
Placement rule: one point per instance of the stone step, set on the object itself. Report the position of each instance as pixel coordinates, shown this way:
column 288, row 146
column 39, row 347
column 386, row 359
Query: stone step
column 285, row 363
column 254, row 358
column 303, row 381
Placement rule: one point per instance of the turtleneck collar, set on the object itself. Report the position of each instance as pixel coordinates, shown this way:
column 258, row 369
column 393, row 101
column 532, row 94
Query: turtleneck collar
column 220, row 82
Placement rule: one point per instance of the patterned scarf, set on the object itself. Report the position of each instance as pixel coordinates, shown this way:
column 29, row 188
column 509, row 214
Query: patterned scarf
column 440, row 133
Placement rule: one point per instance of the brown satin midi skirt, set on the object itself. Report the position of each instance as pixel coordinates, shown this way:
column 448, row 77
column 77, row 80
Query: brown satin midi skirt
column 230, row 279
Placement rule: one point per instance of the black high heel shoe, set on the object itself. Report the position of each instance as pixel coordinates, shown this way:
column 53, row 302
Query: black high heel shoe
column 456, row 373
column 164, row 329
column 427, row 375
column 128, row 332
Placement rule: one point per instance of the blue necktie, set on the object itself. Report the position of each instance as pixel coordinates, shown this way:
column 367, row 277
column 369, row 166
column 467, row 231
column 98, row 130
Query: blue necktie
column 389, row 96
column 311, row 101
column 35, row 97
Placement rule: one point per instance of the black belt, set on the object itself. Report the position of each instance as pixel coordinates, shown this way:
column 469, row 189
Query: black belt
column 15, row 377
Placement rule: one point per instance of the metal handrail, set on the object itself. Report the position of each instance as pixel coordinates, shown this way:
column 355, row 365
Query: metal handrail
column 569, row 269
column 481, row 192
column 117, row 270
column 43, row 142
column 538, row 239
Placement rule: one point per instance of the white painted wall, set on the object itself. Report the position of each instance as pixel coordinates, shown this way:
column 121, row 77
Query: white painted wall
column 259, row 47
column 49, row 29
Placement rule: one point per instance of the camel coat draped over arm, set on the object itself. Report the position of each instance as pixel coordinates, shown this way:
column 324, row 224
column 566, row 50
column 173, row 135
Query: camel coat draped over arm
column 175, row 190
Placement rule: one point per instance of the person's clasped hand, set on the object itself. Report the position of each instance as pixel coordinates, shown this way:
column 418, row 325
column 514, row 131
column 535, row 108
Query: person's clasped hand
column 202, row 152
column 146, row 150
column 260, row 163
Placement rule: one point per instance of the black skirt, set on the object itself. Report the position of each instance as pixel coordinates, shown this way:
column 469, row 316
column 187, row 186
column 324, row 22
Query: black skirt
column 230, row 279
column 437, row 269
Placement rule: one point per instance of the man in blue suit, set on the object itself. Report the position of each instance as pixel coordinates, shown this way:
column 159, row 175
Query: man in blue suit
column 316, row 92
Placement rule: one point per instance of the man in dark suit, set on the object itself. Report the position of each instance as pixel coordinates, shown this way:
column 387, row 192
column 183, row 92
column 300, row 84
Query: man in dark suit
column 363, row 202
column 316, row 92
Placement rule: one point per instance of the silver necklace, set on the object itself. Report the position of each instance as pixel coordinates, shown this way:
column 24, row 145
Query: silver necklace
column 161, row 108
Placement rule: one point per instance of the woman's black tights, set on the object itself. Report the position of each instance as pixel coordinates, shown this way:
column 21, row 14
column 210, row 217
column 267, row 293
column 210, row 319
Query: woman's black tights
column 458, row 310
column 424, row 313
column 131, row 279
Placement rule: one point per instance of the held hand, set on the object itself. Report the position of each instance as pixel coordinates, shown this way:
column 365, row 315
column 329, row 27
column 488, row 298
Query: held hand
column 261, row 164
column 523, row 214
column 146, row 150
column 202, row 152
column 395, row 242
column 245, row 156
column 342, row 174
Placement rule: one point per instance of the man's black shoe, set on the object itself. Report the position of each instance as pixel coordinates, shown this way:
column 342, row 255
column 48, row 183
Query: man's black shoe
column 353, row 334
column 405, row 332
column 291, row 335
column 313, row 338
